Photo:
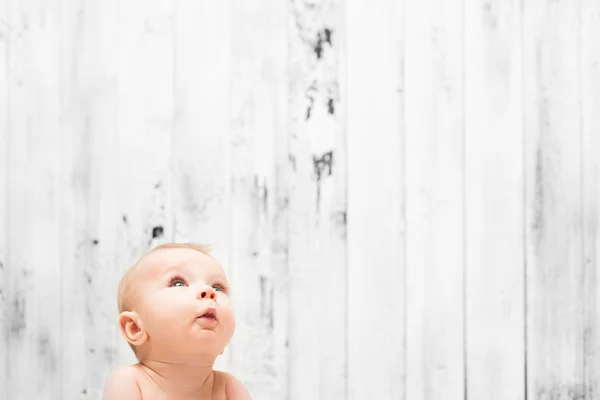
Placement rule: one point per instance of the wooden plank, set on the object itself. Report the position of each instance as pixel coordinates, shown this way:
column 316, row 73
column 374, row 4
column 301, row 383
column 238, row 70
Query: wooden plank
column 33, row 184
column 89, row 208
column 435, row 237
column 589, row 81
column 554, row 231
column 495, row 258
column 259, row 166
column 75, row 198
column 4, row 278
column 376, row 226
column 145, row 123
column 201, row 138
column 318, row 270
column 89, row 216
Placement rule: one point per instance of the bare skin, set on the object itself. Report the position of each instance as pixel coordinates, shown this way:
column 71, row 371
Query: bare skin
column 180, row 321
column 150, row 385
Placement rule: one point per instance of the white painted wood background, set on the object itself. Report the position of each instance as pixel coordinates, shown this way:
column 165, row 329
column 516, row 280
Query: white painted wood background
column 406, row 194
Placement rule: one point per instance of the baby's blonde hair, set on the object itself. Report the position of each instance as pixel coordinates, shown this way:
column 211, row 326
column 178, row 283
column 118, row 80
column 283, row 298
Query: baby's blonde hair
column 127, row 294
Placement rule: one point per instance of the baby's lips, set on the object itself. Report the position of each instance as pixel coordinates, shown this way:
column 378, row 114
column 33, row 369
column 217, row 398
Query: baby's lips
column 209, row 313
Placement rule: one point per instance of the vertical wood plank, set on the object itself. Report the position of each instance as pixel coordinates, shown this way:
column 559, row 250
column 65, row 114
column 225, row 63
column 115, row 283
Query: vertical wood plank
column 75, row 178
column 434, row 200
column 4, row 278
column 145, row 123
column 33, row 199
column 89, row 209
column 259, row 163
column 201, row 137
column 495, row 258
column 318, row 274
column 555, row 265
column 376, row 226
column 89, row 204
column 589, row 73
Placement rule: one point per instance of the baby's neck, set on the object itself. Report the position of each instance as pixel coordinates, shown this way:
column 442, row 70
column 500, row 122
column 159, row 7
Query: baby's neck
column 180, row 379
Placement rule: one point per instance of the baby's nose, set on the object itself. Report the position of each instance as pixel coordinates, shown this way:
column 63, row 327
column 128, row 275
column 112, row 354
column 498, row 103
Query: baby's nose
column 209, row 293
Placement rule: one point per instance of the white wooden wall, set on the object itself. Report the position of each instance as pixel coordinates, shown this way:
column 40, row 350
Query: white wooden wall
column 406, row 194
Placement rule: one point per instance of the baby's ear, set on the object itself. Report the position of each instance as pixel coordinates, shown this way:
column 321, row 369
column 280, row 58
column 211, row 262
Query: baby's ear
column 132, row 329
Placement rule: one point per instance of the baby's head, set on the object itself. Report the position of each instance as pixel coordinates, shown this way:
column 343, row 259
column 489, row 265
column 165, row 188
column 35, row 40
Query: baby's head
column 174, row 305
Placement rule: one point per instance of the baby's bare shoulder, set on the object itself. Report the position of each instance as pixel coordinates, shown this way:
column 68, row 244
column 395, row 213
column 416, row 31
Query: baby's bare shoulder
column 122, row 383
column 234, row 388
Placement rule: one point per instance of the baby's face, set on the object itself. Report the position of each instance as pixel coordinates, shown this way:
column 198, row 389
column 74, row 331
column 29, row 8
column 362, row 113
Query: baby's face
column 184, row 304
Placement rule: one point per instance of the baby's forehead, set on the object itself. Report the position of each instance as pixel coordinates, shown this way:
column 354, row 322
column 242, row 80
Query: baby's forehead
column 162, row 261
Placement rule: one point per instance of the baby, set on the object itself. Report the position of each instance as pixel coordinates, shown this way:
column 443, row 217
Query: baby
column 176, row 314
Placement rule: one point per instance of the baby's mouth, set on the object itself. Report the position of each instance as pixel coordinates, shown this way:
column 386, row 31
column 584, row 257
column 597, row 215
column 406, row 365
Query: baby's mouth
column 209, row 314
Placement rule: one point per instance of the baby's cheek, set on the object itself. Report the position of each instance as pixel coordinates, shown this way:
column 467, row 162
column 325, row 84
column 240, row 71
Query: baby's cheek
column 169, row 316
column 231, row 321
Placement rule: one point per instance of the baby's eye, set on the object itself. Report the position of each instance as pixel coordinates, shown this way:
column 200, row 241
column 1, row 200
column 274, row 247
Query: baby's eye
column 177, row 282
column 220, row 287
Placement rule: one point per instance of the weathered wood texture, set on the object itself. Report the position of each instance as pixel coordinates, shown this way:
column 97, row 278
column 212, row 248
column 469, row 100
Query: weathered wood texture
column 434, row 193
column 589, row 86
column 4, row 283
column 561, row 183
column 493, row 165
column 258, row 112
column 374, row 98
column 317, row 277
column 404, row 194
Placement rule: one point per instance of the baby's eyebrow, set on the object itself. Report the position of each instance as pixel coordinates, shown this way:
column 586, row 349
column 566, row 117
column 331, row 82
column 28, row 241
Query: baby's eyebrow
column 174, row 267
column 179, row 267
